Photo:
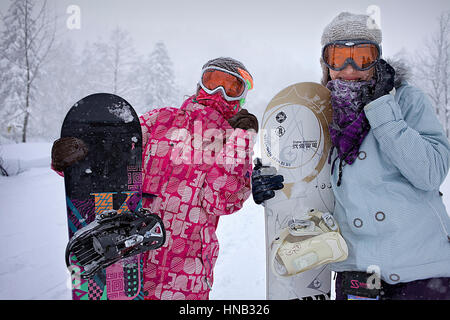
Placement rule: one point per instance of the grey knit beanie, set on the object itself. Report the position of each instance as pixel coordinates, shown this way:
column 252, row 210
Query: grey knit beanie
column 226, row 63
column 349, row 26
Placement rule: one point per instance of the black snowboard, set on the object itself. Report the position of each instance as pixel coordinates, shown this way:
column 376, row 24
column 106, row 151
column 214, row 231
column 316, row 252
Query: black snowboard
column 108, row 178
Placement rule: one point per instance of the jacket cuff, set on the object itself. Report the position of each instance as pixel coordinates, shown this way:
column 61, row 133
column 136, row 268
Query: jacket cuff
column 382, row 110
column 61, row 173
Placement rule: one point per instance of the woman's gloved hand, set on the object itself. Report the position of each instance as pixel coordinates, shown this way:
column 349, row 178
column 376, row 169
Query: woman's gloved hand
column 244, row 120
column 264, row 182
column 384, row 82
column 67, row 151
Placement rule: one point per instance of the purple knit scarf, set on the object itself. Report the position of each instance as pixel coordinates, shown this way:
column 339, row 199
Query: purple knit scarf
column 350, row 125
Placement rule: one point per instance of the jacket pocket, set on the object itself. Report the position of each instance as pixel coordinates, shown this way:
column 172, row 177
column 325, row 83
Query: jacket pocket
column 443, row 221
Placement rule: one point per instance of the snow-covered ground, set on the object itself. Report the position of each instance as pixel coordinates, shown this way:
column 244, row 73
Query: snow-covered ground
column 33, row 235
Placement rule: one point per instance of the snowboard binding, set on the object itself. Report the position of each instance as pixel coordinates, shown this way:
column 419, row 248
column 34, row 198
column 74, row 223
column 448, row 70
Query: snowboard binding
column 306, row 244
column 112, row 237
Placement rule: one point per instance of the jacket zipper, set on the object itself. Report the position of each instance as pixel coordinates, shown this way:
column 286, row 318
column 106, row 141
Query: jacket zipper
column 210, row 270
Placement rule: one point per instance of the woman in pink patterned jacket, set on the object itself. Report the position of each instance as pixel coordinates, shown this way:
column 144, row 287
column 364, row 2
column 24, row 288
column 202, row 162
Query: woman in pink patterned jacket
column 197, row 167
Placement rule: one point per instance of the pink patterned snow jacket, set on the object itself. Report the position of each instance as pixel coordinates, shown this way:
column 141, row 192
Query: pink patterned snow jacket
column 199, row 169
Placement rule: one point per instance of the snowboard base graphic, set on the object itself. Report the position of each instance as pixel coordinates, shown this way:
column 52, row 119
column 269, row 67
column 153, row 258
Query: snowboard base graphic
column 108, row 178
column 295, row 139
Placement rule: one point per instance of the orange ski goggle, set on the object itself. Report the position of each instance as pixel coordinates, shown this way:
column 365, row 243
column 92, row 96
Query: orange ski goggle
column 361, row 54
column 233, row 86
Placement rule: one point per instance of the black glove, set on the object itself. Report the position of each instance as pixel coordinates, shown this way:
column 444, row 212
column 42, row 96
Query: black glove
column 384, row 77
column 244, row 120
column 264, row 182
column 67, row 151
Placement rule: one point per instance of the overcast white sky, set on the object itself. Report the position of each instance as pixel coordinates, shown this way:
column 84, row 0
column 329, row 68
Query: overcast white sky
column 278, row 40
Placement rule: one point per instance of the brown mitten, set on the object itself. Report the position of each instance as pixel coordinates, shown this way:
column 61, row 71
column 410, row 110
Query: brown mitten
column 244, row 120
column 67, row 151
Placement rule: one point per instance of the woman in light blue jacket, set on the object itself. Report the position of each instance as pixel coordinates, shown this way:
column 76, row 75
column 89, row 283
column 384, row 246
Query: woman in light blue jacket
column 390, row 157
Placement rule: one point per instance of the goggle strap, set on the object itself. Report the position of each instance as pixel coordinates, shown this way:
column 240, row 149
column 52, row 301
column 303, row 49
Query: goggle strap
column 247, row 78
column 249, row 85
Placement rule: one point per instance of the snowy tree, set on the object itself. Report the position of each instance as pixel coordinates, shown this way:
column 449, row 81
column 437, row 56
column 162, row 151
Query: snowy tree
column 59, row 87
column 25, row 41
column 107, row 64
column 114, row 66
column 95, row 76
column 122, row 53
column 157, row 79
column 432, row 70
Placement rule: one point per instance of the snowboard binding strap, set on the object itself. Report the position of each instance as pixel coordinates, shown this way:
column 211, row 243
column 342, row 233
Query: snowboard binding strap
column 306, row 244
column 112, row 237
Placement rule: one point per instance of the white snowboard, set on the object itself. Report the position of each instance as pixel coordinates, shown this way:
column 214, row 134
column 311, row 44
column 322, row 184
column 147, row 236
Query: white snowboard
column 295, row 139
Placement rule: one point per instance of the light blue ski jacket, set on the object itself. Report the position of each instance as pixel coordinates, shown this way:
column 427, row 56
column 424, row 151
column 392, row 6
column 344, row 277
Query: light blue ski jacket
column 388, row 204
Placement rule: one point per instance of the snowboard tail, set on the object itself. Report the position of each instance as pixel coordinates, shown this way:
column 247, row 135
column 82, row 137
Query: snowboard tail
column 109, row 178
